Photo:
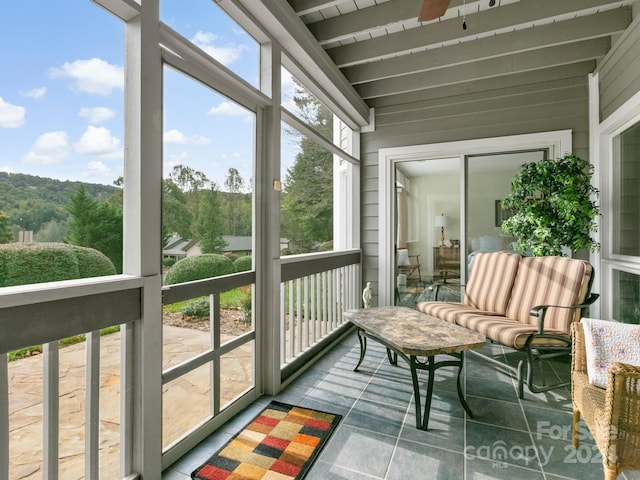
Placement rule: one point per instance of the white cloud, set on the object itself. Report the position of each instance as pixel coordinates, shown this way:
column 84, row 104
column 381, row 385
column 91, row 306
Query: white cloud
column 225, row 54
column 98, row 141
column 95, row 169
column 91, row 76
column 97, row 114
column 231, row 156
column 11, row 116
column 227, row 109
column 175, row 137
column 288, row 90
column 36, row 93
column 6, row 169
column 49, row 148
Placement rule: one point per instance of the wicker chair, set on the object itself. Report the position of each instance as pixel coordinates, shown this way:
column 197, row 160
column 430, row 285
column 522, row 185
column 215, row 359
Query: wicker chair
column 612, row 414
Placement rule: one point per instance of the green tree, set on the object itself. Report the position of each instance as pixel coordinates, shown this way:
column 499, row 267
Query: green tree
column 307, row 198
column 176, row 216
column 52, row 231
column 234, row 199
column 6, row 234
column 192, row 183
column 209, row 227
column 96, row 224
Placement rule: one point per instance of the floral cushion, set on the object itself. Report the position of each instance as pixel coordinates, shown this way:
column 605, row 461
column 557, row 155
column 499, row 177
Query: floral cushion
column 607, row 342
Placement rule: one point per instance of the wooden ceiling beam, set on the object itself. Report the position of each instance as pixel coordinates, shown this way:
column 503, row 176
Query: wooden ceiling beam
column 484, row 23
column 368, row 19
column 580, row 70
column 575, row 30
column 493, row 67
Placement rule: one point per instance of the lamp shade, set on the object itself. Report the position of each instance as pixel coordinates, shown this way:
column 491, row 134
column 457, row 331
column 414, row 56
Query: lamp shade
column 441, row 221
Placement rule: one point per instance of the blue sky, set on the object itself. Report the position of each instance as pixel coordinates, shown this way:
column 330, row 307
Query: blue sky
column 61, row 92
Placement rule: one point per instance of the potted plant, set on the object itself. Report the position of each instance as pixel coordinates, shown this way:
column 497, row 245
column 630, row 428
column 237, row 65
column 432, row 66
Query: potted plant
column 553, row 207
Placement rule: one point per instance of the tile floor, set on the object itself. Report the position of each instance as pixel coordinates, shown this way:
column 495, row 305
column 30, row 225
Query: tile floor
column 508, row 438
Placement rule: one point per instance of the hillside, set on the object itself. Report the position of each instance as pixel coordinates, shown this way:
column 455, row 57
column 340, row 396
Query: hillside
column 30, row 202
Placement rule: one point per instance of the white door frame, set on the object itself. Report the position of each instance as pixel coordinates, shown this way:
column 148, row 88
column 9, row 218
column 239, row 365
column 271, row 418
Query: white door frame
column 558, row 142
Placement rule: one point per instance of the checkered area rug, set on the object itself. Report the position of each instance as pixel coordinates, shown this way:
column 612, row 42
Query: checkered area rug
column 281, row 443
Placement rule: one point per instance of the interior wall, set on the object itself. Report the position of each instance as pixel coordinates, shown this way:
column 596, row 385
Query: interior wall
column 554, row 105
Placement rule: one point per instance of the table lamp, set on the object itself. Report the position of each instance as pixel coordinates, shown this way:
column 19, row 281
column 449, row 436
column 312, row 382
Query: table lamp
column 441, row 221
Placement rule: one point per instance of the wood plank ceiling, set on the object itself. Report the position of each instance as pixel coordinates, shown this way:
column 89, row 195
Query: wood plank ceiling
column 390, row 58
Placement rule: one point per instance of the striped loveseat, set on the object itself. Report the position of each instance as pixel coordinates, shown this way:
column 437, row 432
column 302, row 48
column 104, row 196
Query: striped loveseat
column 526, row 303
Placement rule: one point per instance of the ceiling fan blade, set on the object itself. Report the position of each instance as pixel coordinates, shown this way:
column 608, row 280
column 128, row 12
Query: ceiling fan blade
column 432, row 9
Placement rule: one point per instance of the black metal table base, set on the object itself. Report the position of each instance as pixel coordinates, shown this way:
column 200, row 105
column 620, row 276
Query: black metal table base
column 415, row 363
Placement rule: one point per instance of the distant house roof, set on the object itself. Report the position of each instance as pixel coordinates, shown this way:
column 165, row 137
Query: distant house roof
column 177, row 246
column 237, row 244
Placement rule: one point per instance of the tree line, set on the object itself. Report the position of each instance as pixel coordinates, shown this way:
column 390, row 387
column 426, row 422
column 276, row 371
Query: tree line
column 194, row 207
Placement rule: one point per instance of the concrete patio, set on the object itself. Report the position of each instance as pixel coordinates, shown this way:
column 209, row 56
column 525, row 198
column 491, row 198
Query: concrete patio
column 185, row 401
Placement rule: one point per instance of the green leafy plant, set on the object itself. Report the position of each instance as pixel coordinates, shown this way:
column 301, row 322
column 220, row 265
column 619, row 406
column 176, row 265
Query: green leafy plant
column 197, row 308
column 554, row 207
column 199, row 267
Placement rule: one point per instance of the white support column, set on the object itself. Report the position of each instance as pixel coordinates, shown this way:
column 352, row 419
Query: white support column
column 142, row 448
column 267, row 223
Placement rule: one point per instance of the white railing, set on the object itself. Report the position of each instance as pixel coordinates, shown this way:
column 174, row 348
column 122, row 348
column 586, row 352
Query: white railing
column 44, row 315
column 315, row 290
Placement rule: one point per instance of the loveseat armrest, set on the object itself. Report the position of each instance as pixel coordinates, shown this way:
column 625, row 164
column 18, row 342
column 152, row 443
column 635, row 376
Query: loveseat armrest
column 540, row 311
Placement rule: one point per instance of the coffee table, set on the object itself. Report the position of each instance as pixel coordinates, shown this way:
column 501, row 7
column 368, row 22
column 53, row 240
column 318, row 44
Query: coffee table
column 417, row 338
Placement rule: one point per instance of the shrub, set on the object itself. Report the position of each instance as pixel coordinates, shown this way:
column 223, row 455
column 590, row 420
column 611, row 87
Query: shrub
column 168, row 261
column 27, row 263
column 197, row 308
column 243, row 264
column 196, row 268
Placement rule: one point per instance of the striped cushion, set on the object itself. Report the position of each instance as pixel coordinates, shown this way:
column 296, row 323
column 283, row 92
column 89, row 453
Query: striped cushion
column 491, row 280
column 549, row 281
column 503, row 330
column 448, row 311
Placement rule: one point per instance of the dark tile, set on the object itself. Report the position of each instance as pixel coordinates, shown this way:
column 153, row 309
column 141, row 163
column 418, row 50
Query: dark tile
column 326, row 471
column 412, row 461
column 495, row 412
column 385, row 390
column 378, row 417
column 481, row 469
column 558, row 457
column 501, row 445
column 443, row 430
column 500, row 390
column 554, row 423
column 328, row 402
column 359, row 450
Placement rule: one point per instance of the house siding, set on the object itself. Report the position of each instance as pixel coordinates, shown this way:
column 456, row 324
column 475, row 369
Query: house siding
column 550, row 105
column 619, row 72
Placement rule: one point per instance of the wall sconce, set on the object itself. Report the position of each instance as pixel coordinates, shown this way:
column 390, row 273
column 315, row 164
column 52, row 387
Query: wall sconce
column 441, row 221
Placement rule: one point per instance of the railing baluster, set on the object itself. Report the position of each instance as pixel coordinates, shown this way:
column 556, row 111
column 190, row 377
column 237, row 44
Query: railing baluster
column 92, row 406
column 312, row 299
column 306, row 311
column 4, row 418
column 283, row 324
column 126, row 399
column 299, row 315
column 50, row 410
column 215, row 326
column 292, row 335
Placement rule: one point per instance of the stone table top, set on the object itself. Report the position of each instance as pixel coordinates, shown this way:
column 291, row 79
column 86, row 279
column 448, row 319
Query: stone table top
column 412, row 332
